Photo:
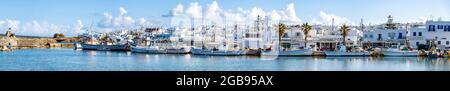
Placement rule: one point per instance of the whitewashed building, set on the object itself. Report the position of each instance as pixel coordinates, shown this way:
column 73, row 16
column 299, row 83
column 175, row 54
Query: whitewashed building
column 437, row 31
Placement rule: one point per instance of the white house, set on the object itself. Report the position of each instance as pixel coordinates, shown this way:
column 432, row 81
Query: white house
column 437, row 31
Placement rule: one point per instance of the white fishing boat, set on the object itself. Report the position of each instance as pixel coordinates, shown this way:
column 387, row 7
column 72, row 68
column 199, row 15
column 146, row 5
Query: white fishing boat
column 400, row 51
column 296, row 52
column 104, row 42
column 342, row 51
column 147, row 49
column 217, row 52
column 178, row 50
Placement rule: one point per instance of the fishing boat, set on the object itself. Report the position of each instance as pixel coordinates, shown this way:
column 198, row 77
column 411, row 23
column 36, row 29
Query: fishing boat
column 295, row 52
column 105, row 47
column 178, row 50
column 92, row 44
column 147, row 49
column 104, row 42
column 215, row 52
column 342, row 51
column 400, row 51
column 221, row 51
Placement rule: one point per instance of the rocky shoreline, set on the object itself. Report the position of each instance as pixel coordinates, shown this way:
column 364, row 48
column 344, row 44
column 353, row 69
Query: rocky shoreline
column 10, row 42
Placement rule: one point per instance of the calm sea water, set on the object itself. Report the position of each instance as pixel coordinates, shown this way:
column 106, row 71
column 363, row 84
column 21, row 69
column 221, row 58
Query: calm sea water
column 82, row 60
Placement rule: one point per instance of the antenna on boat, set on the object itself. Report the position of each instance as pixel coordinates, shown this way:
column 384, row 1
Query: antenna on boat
column 90, row 27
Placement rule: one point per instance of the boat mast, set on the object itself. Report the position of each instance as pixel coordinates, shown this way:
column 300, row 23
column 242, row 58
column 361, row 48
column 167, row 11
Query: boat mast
column 193, row 32
column 225, row 30
column 362, row 29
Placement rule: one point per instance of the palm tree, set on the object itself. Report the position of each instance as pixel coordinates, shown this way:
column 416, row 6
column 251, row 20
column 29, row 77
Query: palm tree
column 306, row 28
column 344, row 32
column 281, row 29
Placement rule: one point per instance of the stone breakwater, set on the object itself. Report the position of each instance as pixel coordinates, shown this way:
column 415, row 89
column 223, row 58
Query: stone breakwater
column 9, row 43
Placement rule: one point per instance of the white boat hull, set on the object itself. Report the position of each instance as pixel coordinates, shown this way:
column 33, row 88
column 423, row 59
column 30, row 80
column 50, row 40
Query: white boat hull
column 178, row 51
column 303, row 52
column 338, row 53
column 196, row 51
column 401, row 53
column 147, row 50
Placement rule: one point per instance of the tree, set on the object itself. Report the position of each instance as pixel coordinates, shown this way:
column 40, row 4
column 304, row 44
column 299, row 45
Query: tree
column 281, row 29
column 344, row 32
column 306, row 28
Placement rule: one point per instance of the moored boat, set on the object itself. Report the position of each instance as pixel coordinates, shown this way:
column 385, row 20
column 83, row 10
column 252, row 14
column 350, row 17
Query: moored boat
column 297, row 52
column 342, row 51
column 180, row 50
column 147, row 49
column 124, row 47
column 400, row 51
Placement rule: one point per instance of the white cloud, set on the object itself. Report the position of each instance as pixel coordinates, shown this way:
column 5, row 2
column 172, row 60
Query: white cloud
column 327, row 19
column 291, row 15
column 40, row 28
column 213, row 14
column 8, row 23
column 123, row 20
column 275, row 16
column 194, row 11
column 179, row 10
column 78, row 27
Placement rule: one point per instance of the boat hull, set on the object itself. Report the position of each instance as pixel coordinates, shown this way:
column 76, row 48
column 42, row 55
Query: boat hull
column 252, row 52
column 304, row 52
column 400, row 54
column 105, row 47
column 177, row 51
column 147, row 50
column 338, row 54
column 216, row 53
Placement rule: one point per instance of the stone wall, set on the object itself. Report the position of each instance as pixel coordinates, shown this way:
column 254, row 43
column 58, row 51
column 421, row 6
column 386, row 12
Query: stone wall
column 18, row 43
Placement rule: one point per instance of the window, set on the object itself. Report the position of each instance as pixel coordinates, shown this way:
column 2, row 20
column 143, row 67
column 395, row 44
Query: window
column 414, row 33
column 439, row 42
column 400, row 35
column 431, row 28
column 440, row 27
column 447, row 28
column 417, row 43
column 379, row 37
column 434, row 28
column 420, row 33
column 370, row 36
column 447, row 43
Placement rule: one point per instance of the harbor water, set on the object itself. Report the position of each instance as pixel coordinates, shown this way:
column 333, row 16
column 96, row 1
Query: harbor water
column 61, row 59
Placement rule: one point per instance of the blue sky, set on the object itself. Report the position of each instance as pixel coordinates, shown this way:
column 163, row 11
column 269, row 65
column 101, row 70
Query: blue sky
column 67, row 12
